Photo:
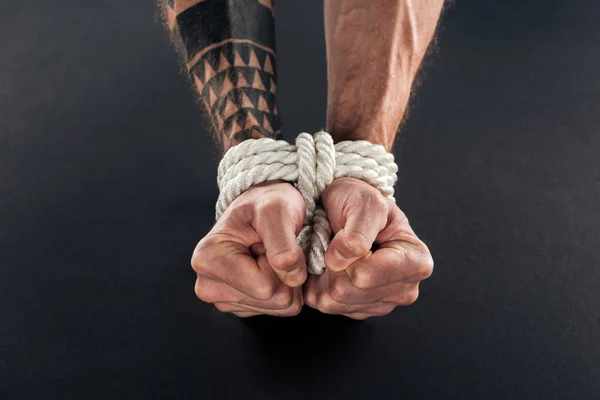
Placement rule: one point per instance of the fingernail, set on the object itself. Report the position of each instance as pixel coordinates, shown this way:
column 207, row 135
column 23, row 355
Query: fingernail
column 296, row 277
column 336, row 260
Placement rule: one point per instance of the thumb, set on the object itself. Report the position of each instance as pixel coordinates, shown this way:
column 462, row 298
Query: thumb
column 283, row 252
column 355, row 239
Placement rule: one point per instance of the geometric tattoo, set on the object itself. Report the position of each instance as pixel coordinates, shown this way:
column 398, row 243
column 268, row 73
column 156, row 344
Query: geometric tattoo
column 229, row 49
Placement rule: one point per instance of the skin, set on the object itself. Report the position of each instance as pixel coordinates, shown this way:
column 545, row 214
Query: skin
column 359, row 282
column 231, row 63
column 250, row 262
column 374, row 50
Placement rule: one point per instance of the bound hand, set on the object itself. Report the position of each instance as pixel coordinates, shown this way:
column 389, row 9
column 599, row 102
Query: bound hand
column 374, row 262
column 250, row 263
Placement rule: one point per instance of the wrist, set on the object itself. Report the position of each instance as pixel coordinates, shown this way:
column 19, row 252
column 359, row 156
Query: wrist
column 373, row 132
column 377, row 122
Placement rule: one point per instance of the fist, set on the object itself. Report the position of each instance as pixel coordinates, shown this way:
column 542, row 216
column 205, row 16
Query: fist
column 250, row 263
column 374, row 262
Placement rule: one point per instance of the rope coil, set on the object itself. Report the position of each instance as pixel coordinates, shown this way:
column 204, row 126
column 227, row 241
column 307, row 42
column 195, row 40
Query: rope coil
column 311, row 164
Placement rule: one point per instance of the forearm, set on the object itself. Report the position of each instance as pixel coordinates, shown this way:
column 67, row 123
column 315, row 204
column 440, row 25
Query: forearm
column 374, row 50
column 229, row 51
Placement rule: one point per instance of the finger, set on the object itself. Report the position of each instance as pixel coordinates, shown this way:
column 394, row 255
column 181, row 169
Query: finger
column 358, row 316
column 356, row 238
column 327, row 305
column 310, row 289
column 229, row 308
column 378, row 311
column 234, row 265
column 293, row 309
column 235, row 310
column 317, row 296
column 245, row 314
column 341, row 290
column 284, row 254
column 219, row 292
column 394, row 263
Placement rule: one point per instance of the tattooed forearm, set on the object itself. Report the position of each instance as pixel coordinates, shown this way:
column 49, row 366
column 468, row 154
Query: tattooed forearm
column 229, row 49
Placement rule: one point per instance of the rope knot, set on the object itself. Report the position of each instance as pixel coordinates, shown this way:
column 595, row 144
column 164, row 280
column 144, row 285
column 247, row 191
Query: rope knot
column 311, row 165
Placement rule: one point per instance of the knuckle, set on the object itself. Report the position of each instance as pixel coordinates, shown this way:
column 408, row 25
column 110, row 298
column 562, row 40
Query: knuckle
column 325, row 303
column 286, row 258
column 196, row 261
column 239, row 210
column 203, row 292
column 199, row 265
column 338, row 289
column 284, row 299
column 426, row 269
column 423, row 263
column 198, row 255
column 366, row 195
column 222, row 307
column 204, row 255
column 279, row 205
column 294, row 309
column 380, row 204
column 409, row 297
column 371, row 199
column 203, row 269
column 382, row 311
column 356, row 243
column 243, row 314
column 362, row 277
column 309, row 296
column 272, row 204
column 358, row 316
column 265, row 290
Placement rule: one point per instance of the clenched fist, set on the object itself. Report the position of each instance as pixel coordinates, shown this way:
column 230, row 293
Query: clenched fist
column 250, row 263
column 374, row 262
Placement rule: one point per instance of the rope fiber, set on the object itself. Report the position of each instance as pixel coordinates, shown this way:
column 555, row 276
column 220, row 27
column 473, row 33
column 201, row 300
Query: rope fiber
column 310, row 164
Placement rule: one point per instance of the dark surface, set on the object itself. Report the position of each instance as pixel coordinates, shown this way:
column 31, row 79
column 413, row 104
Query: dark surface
column 107, row 181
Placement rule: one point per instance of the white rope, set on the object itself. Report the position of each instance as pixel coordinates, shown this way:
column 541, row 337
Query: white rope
column 311, row 164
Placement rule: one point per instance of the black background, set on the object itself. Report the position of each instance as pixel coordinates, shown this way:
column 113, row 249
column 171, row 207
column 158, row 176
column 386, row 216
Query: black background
column 107, row 181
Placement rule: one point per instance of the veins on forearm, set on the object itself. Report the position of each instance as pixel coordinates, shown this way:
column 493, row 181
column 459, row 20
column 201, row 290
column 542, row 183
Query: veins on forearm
column 374, row 50
column 229, row 49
